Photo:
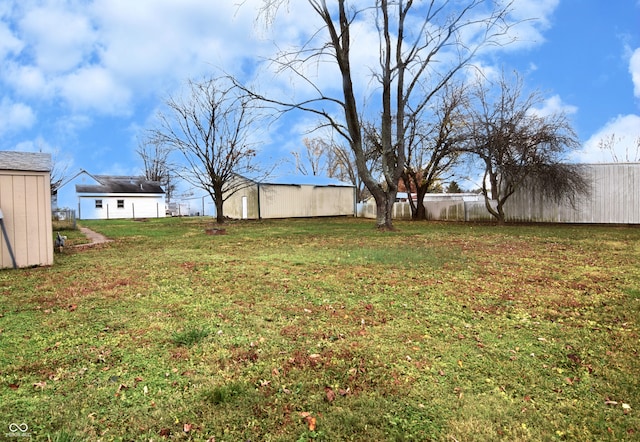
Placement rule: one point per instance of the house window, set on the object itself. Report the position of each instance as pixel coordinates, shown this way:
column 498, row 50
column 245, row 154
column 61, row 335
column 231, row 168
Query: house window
column 98, row 204
column 120, row 204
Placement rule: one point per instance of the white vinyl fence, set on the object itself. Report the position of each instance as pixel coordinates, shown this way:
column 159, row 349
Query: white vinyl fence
column 614, row 199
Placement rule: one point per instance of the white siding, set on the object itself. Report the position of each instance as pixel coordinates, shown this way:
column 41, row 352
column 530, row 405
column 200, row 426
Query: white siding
column 135, row 206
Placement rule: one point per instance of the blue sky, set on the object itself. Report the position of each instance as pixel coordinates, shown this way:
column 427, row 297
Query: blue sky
column 83, row 79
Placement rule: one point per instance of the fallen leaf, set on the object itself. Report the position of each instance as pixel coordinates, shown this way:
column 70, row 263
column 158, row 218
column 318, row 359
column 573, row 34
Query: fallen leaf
column 187, row 427
column 309, row 420
column 460, row 363
column 165, row 432
column 14, row 386
column 331, row 396
column 574, row 358
column 40, row 385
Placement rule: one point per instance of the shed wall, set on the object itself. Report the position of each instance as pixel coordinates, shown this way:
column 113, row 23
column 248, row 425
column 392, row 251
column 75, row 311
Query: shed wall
column 290, row 201
column 233, row 205
column 282, row 201
column 25, row 200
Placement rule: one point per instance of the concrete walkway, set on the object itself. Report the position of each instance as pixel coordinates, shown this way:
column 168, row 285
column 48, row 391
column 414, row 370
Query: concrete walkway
column 94, row 237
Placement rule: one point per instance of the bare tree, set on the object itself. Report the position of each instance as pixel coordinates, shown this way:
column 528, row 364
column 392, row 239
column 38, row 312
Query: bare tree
column 314, row 159
column 157, row 167
column 344, row 165
column 432, row 146
column 611, row 142
column 518, row 146
column 59, row 172
column 212, row 128
column 422, row 45
column 333, row 159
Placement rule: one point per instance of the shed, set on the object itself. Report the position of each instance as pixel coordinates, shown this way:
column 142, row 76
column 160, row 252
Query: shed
column 115, row 197
column 25, row 203
column 290, row 197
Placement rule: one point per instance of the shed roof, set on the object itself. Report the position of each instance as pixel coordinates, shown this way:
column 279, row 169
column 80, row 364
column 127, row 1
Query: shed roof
column 25, row 161
column 302, row 180
column 120, row 184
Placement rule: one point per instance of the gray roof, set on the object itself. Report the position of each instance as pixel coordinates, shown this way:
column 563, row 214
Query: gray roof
column 301, row 180
column 26, row 161
column 120, row 184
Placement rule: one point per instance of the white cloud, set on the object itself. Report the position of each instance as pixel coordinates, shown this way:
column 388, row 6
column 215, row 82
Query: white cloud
column 528, row 19
column 27, row 81
column 9, row 43
column 95, row 89
column 59, row 39
column 621, row 134
column 555, row 106
column 533, row 17
column 634, row 69
column 15, row 116
column 95, row 54
column 625, row 130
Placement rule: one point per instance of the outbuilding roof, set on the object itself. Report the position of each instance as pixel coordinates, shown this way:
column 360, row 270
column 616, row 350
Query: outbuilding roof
column 120, row 184
column 25, row 161
column 301, row 180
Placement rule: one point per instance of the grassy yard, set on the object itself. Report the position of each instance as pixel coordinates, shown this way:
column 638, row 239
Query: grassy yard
column 327, row 330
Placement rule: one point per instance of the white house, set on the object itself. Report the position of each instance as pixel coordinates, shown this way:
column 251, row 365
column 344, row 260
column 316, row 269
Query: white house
column 290, row 197
column 111, row 197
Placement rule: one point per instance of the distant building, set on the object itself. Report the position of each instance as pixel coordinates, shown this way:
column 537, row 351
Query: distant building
column 120, row 197
column 290, row 197
column 111, row 197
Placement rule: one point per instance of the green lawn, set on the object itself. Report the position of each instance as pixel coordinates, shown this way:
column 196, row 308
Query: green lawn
column 328, row 330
